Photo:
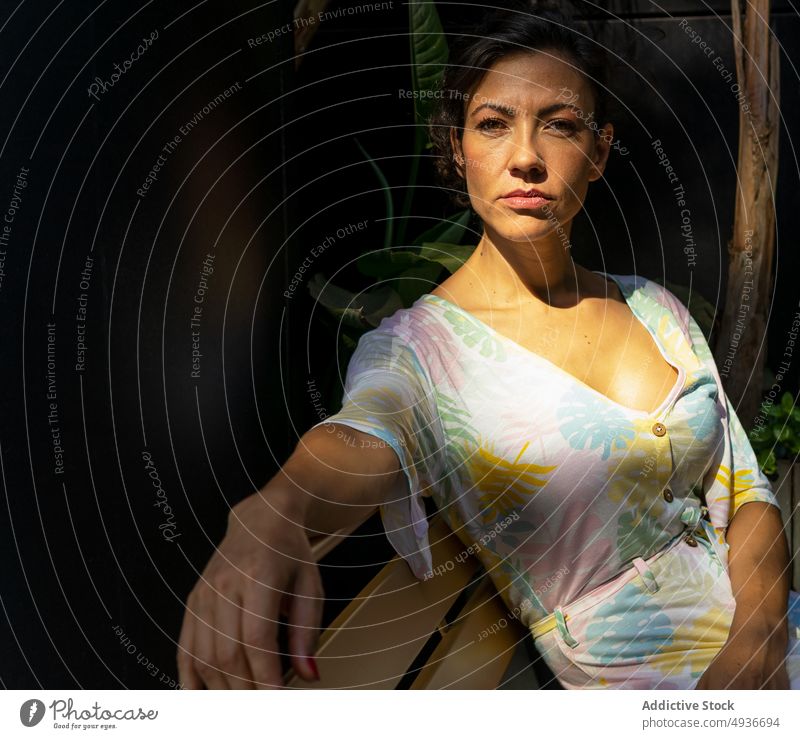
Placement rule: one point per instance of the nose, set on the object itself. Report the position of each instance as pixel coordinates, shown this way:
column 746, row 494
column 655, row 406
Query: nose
column 524, row 156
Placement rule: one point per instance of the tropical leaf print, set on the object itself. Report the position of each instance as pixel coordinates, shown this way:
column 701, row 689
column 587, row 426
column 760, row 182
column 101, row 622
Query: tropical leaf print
column 475, row 333
column 709, row 627
column 504, row 486
column 621, row 630
column 455, row 418
column 512, row 580
column 438, row 351
column 742, row 489
column 585, row 420
column 636, row 534
column 459, row 434
column 643, row 461
column 702, row 416
column 673, row 340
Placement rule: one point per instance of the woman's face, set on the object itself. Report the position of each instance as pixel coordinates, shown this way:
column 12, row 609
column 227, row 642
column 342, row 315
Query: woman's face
column 529, row 127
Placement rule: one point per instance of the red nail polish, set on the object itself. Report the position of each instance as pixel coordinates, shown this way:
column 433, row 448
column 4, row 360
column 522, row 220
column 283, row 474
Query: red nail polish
column 311, row 662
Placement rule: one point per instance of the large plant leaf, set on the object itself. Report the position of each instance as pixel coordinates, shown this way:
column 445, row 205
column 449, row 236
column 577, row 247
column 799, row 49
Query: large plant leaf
column 449, row 231
column 450, row 256
column 387, row 263
column 417, row 280
column 361, row 310
column 387, row 195
column 429, row 54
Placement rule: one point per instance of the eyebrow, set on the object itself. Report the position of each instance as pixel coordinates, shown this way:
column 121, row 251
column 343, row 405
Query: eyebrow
column 509, row 110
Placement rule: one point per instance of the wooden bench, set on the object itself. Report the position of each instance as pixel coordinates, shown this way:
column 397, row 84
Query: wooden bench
column 400, row 632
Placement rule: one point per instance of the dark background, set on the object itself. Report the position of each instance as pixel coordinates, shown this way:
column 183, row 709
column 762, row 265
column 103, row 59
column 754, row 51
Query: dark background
column 268, row 173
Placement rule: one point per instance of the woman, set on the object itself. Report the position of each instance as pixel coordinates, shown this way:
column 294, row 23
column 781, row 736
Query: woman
column 577, row 415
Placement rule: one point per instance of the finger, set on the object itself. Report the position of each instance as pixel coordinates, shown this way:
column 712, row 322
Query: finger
column 286, row 605
column 228, row 647
column 260, row 635
column 205, row 657
column 187, row 675
column 305, row 618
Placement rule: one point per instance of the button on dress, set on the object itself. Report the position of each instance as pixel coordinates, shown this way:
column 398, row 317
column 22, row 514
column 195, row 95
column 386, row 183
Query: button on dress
column 602, row 526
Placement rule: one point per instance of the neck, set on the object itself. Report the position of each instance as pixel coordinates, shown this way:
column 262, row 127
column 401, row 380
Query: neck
column 515, row 272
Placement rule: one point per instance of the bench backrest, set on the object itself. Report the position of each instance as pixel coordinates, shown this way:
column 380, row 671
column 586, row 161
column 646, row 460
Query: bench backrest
column 450, row 631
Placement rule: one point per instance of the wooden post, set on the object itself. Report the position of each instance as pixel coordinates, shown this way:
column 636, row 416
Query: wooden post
column 741, row 347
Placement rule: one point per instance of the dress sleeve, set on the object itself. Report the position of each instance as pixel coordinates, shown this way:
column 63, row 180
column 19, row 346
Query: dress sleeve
column 388, row 394
column 735, row 477
column 739, row 473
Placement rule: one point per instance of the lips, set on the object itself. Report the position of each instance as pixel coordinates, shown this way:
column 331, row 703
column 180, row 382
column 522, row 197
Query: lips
column 525, row 199
column 527, row 194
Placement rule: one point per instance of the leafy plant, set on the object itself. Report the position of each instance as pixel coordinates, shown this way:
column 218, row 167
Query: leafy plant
column 400, row 272
column 779, row 436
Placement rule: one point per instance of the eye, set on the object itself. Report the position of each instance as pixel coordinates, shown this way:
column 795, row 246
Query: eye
column 491, row 124
column 563, row 126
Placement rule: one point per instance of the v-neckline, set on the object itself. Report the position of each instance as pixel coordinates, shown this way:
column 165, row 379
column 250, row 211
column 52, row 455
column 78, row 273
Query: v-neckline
column 676, row 388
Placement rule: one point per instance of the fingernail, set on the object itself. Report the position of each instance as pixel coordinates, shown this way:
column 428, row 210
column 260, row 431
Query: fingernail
column 312, row 664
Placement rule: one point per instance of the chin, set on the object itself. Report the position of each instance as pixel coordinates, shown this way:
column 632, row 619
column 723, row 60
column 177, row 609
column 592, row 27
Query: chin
column 523, row 228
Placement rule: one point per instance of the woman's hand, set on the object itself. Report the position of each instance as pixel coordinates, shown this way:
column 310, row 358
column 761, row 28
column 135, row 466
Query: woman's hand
column 263, row 567
column 752, row 658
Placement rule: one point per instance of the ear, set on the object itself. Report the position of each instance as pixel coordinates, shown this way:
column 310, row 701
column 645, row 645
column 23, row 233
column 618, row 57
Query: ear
column 603, row 139
column 458, row 153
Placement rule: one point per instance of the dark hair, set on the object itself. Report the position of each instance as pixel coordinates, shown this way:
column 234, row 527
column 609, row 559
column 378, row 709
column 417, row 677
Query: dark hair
column 528, row 26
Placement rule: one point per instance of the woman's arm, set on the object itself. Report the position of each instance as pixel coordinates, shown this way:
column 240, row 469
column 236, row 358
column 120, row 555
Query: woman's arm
column 758, row 564
column 758, row 561
column 336, row 476
column 264, row 568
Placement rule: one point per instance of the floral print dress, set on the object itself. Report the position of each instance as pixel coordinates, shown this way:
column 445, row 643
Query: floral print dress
column 602, row 526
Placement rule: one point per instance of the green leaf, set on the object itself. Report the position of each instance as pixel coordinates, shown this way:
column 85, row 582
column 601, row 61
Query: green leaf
column 787, row 403
column 450, row 256
column 767, row 462
column 387, row 263
column 429, row 54
column 387, row 195
column 760, row 435
column 417, row 281
column 359, row 310
column 775, row 411
column 448, row 231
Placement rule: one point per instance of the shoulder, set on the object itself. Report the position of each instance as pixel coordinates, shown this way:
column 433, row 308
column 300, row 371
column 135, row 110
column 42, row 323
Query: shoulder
column 639, row 285
column 411, row 325
column 398, row 337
